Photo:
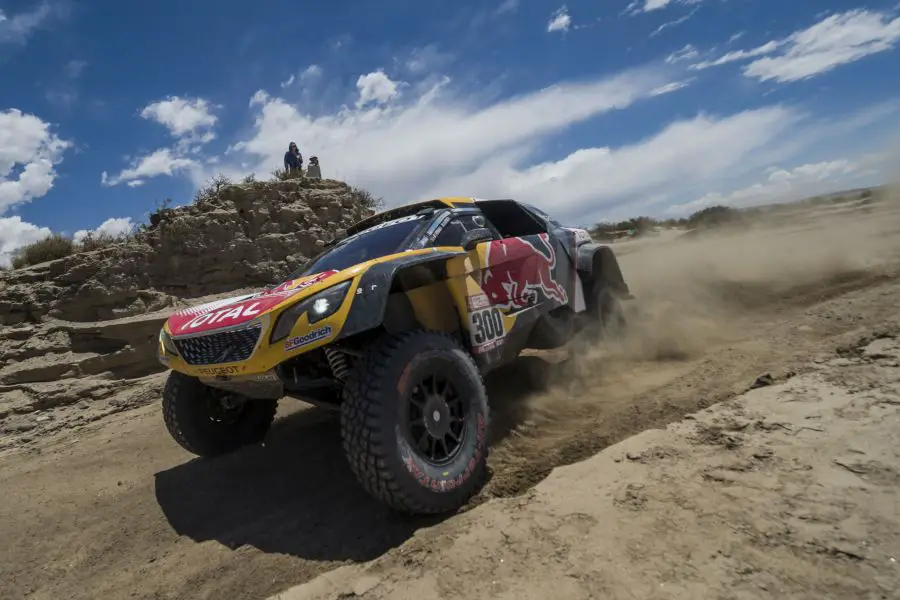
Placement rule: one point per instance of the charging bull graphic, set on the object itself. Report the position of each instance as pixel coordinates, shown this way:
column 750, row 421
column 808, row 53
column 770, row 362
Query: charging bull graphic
column 519, row 273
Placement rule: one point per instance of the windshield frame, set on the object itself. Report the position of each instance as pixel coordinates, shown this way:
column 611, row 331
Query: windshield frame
column 407, row 243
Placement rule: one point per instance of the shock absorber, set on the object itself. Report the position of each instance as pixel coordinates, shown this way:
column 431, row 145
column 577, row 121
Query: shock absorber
column 337, row 360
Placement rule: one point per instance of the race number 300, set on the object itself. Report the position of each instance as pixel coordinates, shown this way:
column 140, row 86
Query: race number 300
column 486, row 327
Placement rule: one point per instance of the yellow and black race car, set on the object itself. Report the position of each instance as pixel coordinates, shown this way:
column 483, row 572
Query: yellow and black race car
column 394, row 325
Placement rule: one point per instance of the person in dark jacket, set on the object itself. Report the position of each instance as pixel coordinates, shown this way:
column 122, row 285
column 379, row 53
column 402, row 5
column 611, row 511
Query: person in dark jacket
column 293, row 160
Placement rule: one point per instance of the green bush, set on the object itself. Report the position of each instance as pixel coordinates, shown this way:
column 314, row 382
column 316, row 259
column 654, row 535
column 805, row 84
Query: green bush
column 50, row 248
column 365, row 198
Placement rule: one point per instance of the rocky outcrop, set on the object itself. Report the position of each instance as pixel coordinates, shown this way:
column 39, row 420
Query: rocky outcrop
column 242, row 236
column 78, row 335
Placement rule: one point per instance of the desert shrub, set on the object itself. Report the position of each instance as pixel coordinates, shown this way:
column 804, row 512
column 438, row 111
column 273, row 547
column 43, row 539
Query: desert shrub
column 50, row 248
column 365, row 198
column 211, row 190
column 714, row 216
column 285, row 175
column 94, row 241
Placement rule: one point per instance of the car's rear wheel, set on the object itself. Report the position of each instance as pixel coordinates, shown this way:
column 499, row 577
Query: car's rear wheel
column 210, row 422
column 415, row 422
column 606, row 310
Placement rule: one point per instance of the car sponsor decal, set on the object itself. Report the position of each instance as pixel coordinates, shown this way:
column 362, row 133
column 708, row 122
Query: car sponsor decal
column 239, row 309
column 486, row 329
column 306, row 339
column 230, row 370
column 519, row 272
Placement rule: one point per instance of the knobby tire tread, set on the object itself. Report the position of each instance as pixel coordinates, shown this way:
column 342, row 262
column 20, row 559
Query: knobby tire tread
column 364, row 439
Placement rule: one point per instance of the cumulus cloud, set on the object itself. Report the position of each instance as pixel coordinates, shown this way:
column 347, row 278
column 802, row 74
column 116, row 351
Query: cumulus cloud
column 438, row 138
column 190, row 121
column 29, row 154
column 836, row 40
column 560, row 20
column 159, row 162
column 16, row 233
column 780, row 185
column 113, row 227
column 376, row 87
column 181, row 116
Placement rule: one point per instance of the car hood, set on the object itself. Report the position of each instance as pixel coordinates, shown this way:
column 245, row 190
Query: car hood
column 237, row 310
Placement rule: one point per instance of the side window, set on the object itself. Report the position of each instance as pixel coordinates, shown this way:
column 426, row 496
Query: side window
column 453, row 233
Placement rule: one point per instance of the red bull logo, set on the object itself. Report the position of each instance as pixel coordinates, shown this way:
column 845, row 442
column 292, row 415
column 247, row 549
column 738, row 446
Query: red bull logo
column 519, row 273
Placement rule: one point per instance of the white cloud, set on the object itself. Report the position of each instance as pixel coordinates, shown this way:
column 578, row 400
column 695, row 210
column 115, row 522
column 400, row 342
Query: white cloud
column 507, row 6
column 427, row 59
column 160, row 162
column 670, row 87
column 736, row 55
column 135, row 183
column 590, row 180
column 780, row 185
column 645, row 6
column 560, row 20
column 674, row 23
column 376, row 87
column 182, row 116
column 309, row 73
column 688, row 52
column 16, row 233
column 29, row 153
column 113, row 227
column 836, row 40
column 17, row 28
column 74, row 68
column 439, row 137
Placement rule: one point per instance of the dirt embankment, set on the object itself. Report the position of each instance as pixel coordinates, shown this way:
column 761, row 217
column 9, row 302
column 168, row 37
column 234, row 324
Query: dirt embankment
column 114, row 509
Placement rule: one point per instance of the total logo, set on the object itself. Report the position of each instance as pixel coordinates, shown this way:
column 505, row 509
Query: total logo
column 306, row 339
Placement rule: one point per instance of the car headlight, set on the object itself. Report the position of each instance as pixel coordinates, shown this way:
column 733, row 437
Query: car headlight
column 167, row 343
column 318, row 307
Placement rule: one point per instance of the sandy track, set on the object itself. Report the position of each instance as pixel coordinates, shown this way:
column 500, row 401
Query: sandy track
column 120, row 511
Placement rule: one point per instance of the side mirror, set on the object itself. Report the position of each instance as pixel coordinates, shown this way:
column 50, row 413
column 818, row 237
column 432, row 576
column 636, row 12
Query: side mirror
column 474, row 237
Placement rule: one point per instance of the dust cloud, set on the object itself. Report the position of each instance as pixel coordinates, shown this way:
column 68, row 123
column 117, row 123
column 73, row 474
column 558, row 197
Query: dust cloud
column 692, row 294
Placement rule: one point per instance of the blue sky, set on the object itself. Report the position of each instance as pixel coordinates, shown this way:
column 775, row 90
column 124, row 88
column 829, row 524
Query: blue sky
column 592, row 110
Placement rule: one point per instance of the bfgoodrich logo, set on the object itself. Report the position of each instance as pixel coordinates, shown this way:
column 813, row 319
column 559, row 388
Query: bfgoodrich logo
column 308, row 338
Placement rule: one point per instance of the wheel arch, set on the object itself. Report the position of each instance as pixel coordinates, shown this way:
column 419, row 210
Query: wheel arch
column 402, row 294
column 598, row 263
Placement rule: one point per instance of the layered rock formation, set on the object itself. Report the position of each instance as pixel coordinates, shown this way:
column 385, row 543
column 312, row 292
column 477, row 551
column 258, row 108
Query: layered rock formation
column 246, row 235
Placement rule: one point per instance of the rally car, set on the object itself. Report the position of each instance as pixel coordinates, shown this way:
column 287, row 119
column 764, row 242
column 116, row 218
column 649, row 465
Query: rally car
column 394, row 324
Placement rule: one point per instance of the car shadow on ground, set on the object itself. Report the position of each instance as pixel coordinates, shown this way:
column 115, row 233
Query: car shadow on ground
column 296, row 495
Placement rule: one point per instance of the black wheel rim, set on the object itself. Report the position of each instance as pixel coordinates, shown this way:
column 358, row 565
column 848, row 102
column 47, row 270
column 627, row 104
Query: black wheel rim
column 223, row 407
column 436, row 419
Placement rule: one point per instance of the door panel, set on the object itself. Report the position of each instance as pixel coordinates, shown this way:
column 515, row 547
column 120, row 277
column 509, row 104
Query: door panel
column 521, row 272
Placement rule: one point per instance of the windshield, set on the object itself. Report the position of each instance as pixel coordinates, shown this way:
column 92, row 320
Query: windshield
column 379, row 240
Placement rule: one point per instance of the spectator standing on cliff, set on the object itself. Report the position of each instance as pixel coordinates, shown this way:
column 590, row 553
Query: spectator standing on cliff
column 293, row 161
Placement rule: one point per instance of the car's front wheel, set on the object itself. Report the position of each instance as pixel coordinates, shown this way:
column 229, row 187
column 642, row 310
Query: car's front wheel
column 415, row 421
column 210, row 422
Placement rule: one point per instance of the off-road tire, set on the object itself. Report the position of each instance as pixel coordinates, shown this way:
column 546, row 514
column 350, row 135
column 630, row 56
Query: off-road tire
column 188, row 419
column 606, row 311
column 377, row 448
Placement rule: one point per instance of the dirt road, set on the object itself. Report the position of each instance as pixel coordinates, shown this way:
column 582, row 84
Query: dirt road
column 117, row 510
